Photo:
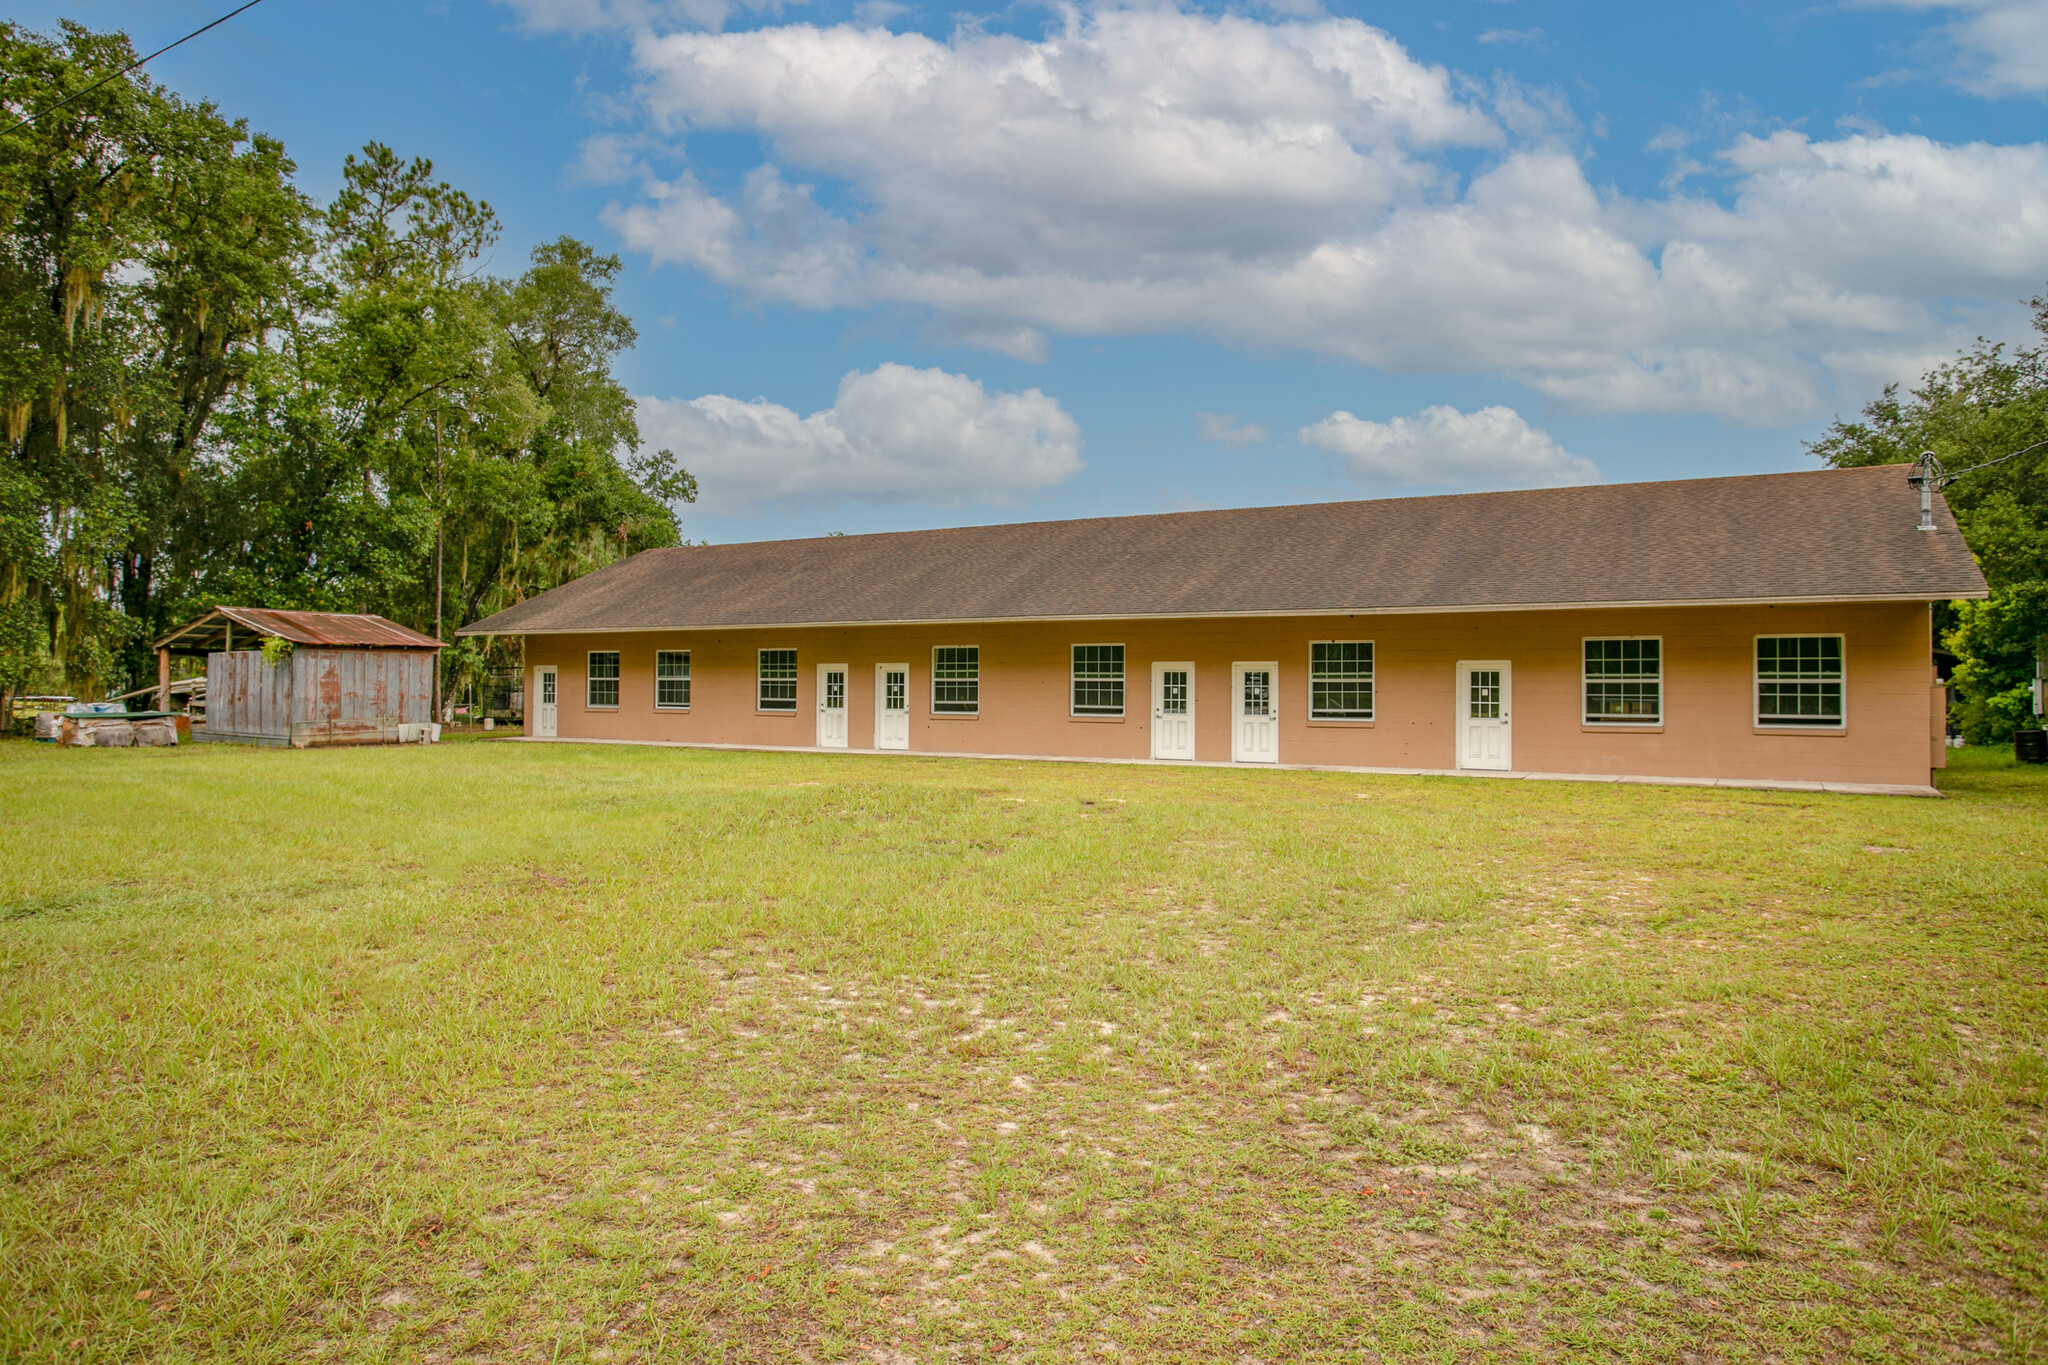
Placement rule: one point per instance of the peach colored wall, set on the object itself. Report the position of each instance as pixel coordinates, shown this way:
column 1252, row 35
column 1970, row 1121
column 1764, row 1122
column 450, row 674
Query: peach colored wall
column 1708, row 730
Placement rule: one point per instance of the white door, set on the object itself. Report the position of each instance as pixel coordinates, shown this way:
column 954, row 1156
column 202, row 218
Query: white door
column 1173, row 710
column 1255, row 713
column 831, row 706
column 544, row 701
column 1484, row 689
column 892, row 706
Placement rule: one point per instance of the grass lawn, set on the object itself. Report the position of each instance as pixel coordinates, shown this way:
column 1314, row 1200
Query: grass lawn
column 545, row 1053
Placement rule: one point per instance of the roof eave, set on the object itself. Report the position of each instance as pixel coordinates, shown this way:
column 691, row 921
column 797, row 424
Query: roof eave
column 1429, row 610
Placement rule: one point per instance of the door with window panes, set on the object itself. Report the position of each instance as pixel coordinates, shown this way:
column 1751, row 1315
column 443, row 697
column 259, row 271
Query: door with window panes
column 831, row 706
column 1485, row 689
column 1173, row 710
column 1255, row 713
column 892, row 706
column 544, row 704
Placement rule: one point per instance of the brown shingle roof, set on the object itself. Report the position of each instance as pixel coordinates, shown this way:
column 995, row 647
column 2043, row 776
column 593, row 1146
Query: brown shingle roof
column 1824, row 535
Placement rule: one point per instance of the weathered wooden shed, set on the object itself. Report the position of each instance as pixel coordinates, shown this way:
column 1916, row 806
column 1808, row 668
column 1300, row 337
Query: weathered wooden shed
column 346, row 679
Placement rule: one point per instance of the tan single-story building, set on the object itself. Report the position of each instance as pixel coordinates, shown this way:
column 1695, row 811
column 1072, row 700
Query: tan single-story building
column 1769, row 628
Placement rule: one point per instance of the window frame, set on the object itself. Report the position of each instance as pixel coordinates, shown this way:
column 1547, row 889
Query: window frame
column 1839, row 725
column 761, row 681
column 955, row 710
column 659, row 704
column 1123, row 682
column 591, row 679
column 1372, row 685
column 1589, row 722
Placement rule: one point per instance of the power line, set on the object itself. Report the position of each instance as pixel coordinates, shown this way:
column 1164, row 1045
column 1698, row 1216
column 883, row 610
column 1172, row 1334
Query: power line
column 1949, row 476
column 128, row 68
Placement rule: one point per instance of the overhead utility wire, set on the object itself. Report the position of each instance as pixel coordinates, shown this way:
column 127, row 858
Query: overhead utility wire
column 128, row 68
column 1948, row 476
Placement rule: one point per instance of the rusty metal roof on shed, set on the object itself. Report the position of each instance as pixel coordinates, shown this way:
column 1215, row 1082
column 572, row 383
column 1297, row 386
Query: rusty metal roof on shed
column 315, row 629
column 1823, row 535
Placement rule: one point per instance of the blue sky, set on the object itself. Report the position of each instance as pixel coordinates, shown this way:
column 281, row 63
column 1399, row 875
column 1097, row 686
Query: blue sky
column 898, row 266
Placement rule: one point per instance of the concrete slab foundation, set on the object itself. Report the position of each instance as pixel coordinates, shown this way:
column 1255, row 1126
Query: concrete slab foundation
column 1747, row 784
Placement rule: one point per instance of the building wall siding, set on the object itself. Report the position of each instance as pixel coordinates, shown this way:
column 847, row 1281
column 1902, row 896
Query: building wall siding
column 1708, row 730
column 318, row 697
column 359, row 696
column 247, row 696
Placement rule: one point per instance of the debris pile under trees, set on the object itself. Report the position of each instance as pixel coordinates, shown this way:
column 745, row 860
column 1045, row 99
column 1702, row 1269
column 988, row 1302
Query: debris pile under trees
column 118, row 732
column 106, row 725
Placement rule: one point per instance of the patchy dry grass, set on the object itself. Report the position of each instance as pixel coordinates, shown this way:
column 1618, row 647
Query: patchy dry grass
column 538, row 1053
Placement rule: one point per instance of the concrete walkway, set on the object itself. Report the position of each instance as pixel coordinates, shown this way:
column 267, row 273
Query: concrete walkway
column 1745, row 783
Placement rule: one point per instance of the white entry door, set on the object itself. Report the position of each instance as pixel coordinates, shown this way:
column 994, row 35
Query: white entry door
column 1485, row 689
column 1173, row 710
column 892, row 706
column 831, row 706
column 1255, row 713
column 544, row 701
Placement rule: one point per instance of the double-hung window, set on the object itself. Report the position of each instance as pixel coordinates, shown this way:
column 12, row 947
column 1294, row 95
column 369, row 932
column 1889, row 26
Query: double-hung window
column 1340, row 680
column 602, row 679
column 777, row 680
column 1799, row 681
column 1624, row 681
column 1098, row 680
column 956, row 680
column 672, row 679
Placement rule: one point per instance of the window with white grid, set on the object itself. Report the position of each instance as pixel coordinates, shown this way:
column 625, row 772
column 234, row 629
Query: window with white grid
column 1624, row 681
column 956, row 680
column 1258, row 693
column 1098, row 680
column 1340, row 680
column 1173, row 691
column 1799, row 681
column 602, row 679
column 672, row 679
column 777, row 680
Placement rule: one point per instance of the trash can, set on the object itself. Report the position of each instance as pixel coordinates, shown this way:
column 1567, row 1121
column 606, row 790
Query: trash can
column 2030, row 746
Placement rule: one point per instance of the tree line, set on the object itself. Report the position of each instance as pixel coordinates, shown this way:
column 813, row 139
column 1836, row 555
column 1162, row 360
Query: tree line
column 216, row 390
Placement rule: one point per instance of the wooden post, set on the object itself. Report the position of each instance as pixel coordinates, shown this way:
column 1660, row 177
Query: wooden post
column 163, row 680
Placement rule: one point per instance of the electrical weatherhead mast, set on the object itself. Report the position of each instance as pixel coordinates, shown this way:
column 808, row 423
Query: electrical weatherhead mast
column 1929, row 475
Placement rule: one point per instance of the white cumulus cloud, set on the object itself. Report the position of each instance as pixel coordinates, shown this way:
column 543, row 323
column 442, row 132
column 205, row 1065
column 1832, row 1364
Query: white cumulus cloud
column 894, row 435
column 1996, row 47
column 1441, row 447
column 1298, row 183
